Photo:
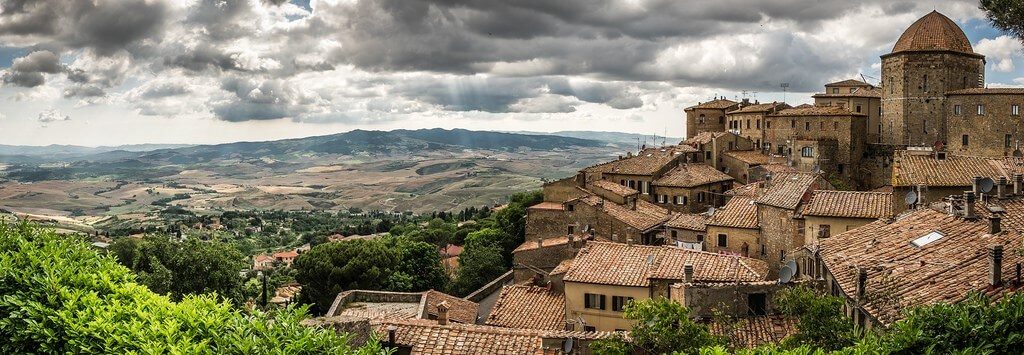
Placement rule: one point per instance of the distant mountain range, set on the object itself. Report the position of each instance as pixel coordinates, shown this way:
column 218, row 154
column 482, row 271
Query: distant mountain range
column 616, row 137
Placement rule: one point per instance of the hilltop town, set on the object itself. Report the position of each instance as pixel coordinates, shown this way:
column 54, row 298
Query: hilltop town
column 910, row 188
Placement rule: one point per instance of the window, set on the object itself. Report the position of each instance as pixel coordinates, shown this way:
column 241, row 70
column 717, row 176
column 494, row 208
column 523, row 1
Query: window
column 632, row 184
column 839, row 168
column 807, row 126
column 768, row 124
column 892, row 85
column 858, row 108
column 700, row 238
column 593, row 301
column 764, row 250
column 782, row 255
column 824, row 231
column 721, row 119
column 925, row 127
column 924, row 85
column 807, row 152
column 707, row 155
column 757, row 124
column 1007, row 141
column 956, row 110
column 622, row 182
column 981, row 109
column 649, row 188
column 748, row 123
column 835, row 125
column 700, row 197
column 1015, row 110
column 619, row 302
column 835, row 90
column 675, row 234
column 570, row 207
column 572, row 230
column 678, row 200
column 966, row 140
column 701, row 119
column 792, row 123
column 757, row 304
column 589, row 328
column 722, row 242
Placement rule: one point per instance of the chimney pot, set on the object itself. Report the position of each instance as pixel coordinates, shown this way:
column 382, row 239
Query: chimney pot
column 391, row 335
column 995, row 258
column 969, row 205
column 994, row 226
column 862, row 279
column 442, row 313
column 1017, row 180
column 976, row 185
column 1001, row 188
column 688, row 273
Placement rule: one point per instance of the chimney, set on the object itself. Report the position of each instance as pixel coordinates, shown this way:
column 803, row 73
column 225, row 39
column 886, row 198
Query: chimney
column 391, row 335
column 969, row 205
column 572, row 240
column 540, row 242
column 629, row 241
column 994, row 225
column 688, row 273
column 995, row 263
column 862, row 279
column 632, row 203
column 442, row 313
column 976, row 185
column 1017, row 179
column 1001, row 188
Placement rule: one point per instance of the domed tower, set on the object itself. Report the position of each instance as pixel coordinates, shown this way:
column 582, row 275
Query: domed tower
column 931, row 58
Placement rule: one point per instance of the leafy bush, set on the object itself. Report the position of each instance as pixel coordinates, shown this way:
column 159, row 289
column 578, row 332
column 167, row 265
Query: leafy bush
column 59, row 296
column 822, row 323
column 187, row 268
column 664, row 326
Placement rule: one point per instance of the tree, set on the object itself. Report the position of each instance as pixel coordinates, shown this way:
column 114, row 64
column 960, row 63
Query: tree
column 60, row 296
column 822, row 322
column 664, row 326
column 1006, row 15
column 478, row 265
column 183, row 268
column 389, row 264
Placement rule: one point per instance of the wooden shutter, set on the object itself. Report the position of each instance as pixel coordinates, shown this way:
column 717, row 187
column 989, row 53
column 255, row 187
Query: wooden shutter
column 602, row 302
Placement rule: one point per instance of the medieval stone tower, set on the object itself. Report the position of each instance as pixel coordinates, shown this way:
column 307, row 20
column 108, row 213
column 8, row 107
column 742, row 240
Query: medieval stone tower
column 932, row 57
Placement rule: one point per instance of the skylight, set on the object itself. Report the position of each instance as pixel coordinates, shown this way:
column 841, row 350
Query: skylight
column 927, row 239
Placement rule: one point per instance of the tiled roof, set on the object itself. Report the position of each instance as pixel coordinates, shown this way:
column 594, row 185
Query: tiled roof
column 849, row 204
column 988, row 91
column 761, row 108
column 429, row 338
column 912, row 168
column 933, row 32
column 547, row 205
column 648, row 162
column 779, row 168
column 615, row 188
column 788, row 189
column 562, row 267
column 902, row 275
column 848, row 82
column 704, row 137
column 459, row 310
column 546, row 242
column 688, row 221
column 751, row 332
column 528, row 307
column 859, row 92
column 752, row 157
column 634, row 265
column 646, row 215
column 739, row 212
column 714, row 104
column 749, row 190
column 817, row 111
column 691, row 175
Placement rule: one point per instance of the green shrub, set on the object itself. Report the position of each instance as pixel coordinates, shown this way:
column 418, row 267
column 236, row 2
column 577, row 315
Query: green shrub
column 59, row 296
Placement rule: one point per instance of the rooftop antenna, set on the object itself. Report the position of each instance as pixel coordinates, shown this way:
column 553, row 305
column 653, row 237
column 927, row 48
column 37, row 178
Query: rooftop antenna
column 785, row 87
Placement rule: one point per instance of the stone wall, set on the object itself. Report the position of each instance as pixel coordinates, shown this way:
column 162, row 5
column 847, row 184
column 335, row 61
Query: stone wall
column 602, row 224
column 846, row 131
column 697, row 199
column 780, row 234
column 870, row 106
column 739, row 241
column 704, row 300
column 562, row 190
column 545, row 258
column 544, row 223
column 736, row 168
column 713, row 121
column 996, row 133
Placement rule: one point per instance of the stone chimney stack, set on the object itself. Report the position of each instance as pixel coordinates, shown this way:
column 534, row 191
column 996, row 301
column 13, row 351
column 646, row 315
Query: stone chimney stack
column 976, row 185
column 995, row 262
column 994, row 225
column 632, row 203
column 442, row 313
column 1001, row 187
column 969, row 205
column 862, row 279
column 392, row 336
column 688, row 273
column 1017, row 180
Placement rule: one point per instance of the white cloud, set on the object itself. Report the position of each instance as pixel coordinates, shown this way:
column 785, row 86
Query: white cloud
column 52, row 115
column 1001, row 52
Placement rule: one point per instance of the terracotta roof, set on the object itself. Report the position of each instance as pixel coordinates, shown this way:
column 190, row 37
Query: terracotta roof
column 546, row 242
column 401, row 305
column 752, row 157
column 739, row 212
column 761, row 108
column 547, row 205
column 913, row 168
column 817, row 111
column 787, row 190
column 714, row 104
column 933, row 32
column 451, row 250
column 988, row 91
column 848, row 82
column 691, row 175
column 634, row 265
column 286, row 254
column 615, row 188
column 648, row 162
column 778, row 168
column 849, row 204
column 901, row 274
column 460, row 310
column 688, row 221
column 428, row 338
column 751, row 332
column 562, row 267
column 528, row 307
column 860, row 92
column 749, row 190
column 646, row 215
column 704, row 137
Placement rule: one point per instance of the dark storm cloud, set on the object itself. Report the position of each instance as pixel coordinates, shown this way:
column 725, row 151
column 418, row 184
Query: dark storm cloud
column 28, row 71
column 103, row 25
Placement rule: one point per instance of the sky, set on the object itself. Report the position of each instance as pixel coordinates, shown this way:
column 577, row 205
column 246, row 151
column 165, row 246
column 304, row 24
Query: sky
column 112, row 72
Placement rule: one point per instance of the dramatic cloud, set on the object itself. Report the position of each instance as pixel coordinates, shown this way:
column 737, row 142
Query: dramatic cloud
column 1001, row 52
column 28, row 71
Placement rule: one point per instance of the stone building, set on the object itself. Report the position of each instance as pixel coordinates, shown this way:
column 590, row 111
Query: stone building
column 858, row 97
column 829, row 139
column 748, row 121
column 933, row 176
column 734, row 229
column 639, row 221
column 985, row 122
column 708, row 116
column 691, row 188
column 832, row 212
column 687, row 230
column 539, row 257
column 778, row 214
column 639, row 171
column 931, row 58
column 742, row 164
column 548, row 220
column 710, row 146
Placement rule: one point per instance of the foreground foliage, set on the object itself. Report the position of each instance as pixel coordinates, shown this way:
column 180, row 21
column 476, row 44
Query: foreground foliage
column 59, row 296
column 1006, row 15
column 821, row 323
column 184, row 268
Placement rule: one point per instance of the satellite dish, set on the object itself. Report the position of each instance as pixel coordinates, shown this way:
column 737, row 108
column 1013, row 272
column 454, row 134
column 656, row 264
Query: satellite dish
column 711, row 211
column 792, row 266
column 986, row 185
column 1017, row 153
column 911, row 198
column 569, row 343
column 786, row 274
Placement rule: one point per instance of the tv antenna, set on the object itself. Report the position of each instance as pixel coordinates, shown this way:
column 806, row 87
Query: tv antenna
column 785, row 87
